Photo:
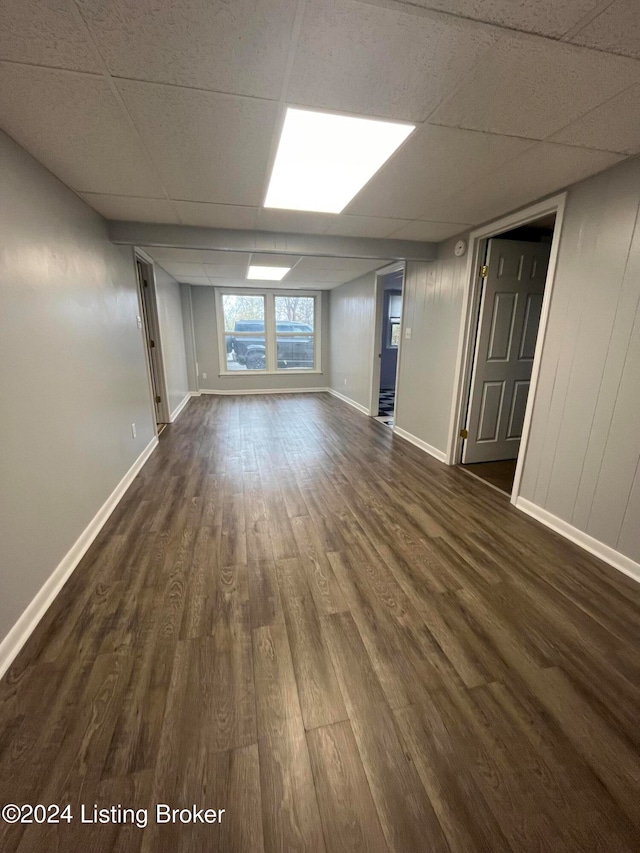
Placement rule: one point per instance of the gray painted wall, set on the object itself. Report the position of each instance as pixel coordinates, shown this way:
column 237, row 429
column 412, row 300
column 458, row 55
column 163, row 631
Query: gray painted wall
column 206, row 346
column 72, row 373
column 189, row 343
column 174, row 357
column 432, row 309
column 583, row 459
column 351, row 343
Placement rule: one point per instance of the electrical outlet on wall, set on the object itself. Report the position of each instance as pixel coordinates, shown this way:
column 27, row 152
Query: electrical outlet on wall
column 407, row 333
column 139, row 321
column 133, row 430
column 204, row 375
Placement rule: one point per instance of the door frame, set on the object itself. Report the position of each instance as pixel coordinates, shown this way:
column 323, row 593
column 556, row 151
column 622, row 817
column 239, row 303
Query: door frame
column 154, row 333
column 374, row 394
column 469, row 328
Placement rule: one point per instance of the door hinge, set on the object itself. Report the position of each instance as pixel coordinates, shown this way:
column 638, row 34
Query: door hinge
column 464, row 433
column 484, row 271
column 158, row 398
column 152, row 343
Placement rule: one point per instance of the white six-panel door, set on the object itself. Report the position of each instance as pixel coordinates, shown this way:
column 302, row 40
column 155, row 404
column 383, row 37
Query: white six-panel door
column 510, row 308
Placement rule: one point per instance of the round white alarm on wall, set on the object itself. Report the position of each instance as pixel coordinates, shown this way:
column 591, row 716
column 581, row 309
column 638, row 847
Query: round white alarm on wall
column 460, row 248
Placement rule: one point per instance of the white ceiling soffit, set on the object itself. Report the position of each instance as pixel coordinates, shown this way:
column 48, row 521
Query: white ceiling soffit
column 169, row 111
column 228, row 269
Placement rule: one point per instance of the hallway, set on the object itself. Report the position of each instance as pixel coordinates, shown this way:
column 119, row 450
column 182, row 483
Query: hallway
column 303, row 620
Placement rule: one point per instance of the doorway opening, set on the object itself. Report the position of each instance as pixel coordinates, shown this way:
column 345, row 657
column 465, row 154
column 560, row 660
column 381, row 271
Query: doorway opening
column 148, row 322
column 388, row 336
column 513, row 273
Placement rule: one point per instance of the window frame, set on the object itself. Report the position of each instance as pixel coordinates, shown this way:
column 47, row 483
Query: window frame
column 270, row 332
column 393, row 320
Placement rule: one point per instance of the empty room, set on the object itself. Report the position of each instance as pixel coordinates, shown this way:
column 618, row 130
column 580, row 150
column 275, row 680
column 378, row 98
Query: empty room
column 319, row 446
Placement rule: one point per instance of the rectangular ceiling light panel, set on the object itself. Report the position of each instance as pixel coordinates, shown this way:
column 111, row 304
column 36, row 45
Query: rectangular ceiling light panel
column 324, row 160
column 267, row 273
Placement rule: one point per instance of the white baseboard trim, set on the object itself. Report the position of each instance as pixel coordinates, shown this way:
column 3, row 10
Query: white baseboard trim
column 440, row 455
column 35, row 610
column 245, row 391
column 174, row 414
column 593, row 546
column 348, row 400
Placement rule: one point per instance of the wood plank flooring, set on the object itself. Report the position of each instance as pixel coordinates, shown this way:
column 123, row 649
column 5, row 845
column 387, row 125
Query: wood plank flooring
column 500, row 474
column 298, row 618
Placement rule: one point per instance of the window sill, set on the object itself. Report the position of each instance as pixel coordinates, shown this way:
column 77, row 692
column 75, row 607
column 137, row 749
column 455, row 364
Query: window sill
column 292, row 372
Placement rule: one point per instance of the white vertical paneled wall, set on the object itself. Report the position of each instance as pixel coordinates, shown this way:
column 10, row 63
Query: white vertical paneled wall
column 583, row 460
column 432, row 310
column 582, row 469
column 174, row 353
column 351, row 343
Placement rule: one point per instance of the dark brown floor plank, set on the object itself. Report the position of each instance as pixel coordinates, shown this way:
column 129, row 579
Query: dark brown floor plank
column 462, row 811
column 321, row 702
column 264, row 594
column 349, row 817
column 291, row 820
column 324, row 587
column 406, row 814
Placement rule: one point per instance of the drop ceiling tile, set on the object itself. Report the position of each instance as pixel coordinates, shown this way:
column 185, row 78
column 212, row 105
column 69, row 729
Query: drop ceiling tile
column 280, row 285
column 239, row 47
column 132, row 209
column 272, row 260
column 180, row 269
column 226, row 271
column 613, row 126
column 39, row 32
column 433, row 164
column 531, row 87
column 319, row 262
column 335, row 269
column 212, row 257
column 206, row 146
column 376, row 227
column 194, row 279
column 429, row 231
column 166, row 254
column 381, row 61
column 201, row 263
column 329, row 276
column 545, row 17
column 541, row 170
column 217, row 215
column 232, row 282
column 293, row 221
column 75, row 126
column 616, row 30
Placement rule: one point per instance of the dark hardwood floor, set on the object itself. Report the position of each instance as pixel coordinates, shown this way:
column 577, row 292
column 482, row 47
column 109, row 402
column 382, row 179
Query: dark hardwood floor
column 500, row 474
column 303, row 620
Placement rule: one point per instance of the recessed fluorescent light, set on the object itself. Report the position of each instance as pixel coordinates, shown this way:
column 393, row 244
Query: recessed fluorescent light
column 268, row 273
column 323, row 159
